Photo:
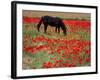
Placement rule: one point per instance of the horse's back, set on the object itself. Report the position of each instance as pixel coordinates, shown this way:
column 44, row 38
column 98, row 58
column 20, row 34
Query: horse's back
column 52, row 20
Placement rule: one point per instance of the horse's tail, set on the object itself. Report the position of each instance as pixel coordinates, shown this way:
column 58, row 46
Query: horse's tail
column 39, row 24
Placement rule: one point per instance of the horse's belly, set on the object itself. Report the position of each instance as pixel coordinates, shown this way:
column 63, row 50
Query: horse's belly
column 53, row 25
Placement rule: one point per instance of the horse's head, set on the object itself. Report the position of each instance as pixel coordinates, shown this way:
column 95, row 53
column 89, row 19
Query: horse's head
column 64, row 29
column 65, row 32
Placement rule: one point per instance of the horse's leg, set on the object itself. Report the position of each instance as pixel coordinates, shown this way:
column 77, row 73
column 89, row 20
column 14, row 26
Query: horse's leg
column 59, row 30
column 56, row 29
column 45, row 28
column 38, row 28
column 39, row 24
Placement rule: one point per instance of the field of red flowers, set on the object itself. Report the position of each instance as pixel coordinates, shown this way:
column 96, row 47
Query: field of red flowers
column 53, row 50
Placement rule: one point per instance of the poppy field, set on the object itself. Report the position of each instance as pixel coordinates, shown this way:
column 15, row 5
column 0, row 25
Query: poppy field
column 54, row 50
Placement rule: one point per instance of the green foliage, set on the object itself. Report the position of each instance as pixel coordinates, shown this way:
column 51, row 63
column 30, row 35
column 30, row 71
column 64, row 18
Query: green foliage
column 85, row 35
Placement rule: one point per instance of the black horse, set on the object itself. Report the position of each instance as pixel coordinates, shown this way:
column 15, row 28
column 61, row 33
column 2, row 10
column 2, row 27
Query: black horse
column 52, row 21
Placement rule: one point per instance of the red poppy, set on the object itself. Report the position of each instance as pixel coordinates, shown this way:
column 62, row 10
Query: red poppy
column 47, row 64
column 29, row 49
column 80, row 61
column 88, row 51
column 88, row 59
